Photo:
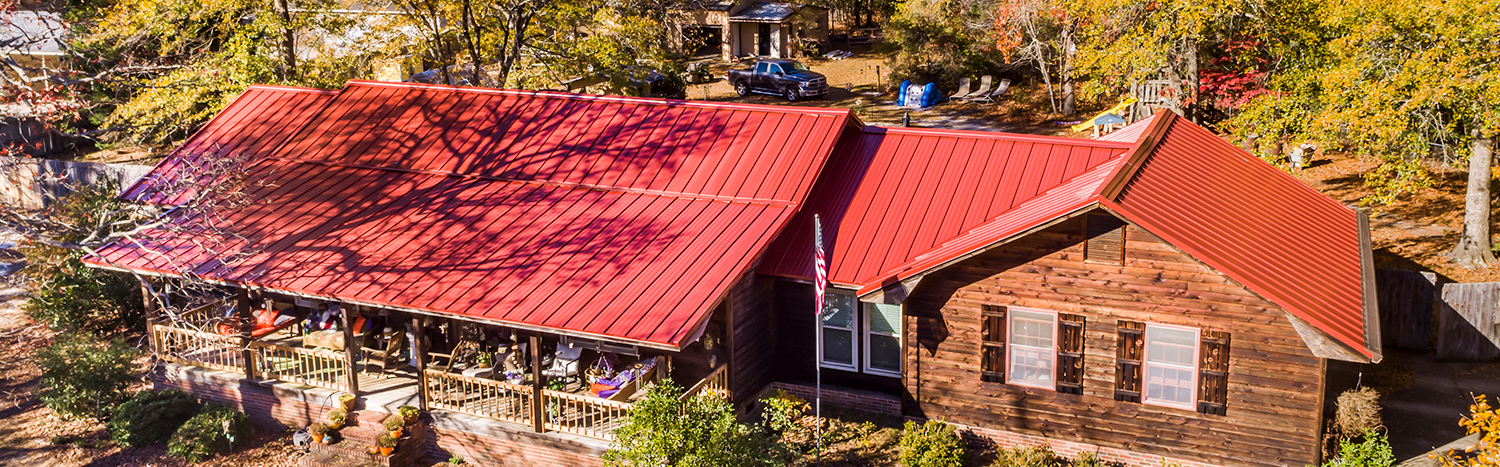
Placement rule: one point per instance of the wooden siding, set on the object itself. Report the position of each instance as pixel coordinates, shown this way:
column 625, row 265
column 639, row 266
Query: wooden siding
column 1274, row 381
column 751, row 343
column 795, row 348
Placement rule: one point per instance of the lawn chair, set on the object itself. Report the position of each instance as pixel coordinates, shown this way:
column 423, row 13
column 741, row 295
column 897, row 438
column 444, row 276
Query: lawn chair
column 386, row 359
column 565, row 363
column 984, row 88
column 963, row 89
column 468, row 344
column 994, row 96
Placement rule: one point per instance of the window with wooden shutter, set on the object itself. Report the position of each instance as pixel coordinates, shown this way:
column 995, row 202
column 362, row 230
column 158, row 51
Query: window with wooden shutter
column 992, row 344
column 1104, row 239
column 1070, row 353
column 1130, row 349
column 1213, row 373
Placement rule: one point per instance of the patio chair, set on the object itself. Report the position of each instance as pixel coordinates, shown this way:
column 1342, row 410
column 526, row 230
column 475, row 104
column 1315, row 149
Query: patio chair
column 386, row 359
column 468, row 344
column 963, row 89
column 565, row 363
column 984, row 88
column 994, row 96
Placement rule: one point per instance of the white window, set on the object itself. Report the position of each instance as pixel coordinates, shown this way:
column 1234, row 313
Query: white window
column 883, row 339
column 1171, row 371
column 839, row 344
column 1033, row 348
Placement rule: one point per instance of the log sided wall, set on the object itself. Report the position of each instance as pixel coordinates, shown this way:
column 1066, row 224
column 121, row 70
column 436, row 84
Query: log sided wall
column 1275, row 384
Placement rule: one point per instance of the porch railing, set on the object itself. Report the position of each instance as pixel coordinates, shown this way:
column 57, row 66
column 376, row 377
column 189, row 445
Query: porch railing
column 198, row 348
column 583, row 415
column 482, row 397
column 320, row 368
column 716, row 382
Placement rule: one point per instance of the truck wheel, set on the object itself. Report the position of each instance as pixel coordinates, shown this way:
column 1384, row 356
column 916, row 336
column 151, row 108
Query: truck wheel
column 791, row 94
column 742, row 89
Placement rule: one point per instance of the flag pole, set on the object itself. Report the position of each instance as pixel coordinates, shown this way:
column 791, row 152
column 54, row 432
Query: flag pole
column 820, row 273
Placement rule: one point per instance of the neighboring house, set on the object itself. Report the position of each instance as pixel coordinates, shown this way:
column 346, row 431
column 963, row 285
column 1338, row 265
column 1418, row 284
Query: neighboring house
column 1157, row 295
column 32, row 41
column 763, row 29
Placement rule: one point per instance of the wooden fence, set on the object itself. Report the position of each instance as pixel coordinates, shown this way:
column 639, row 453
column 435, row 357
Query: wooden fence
column 198, row 348
column 1455, row 321
column 27, row 183
column 1468, row 326
column 582, row 414
column 313, row 367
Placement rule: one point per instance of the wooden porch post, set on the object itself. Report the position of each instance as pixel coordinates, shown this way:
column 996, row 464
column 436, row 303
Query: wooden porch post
column 247, row 325
column 418, row 347
column 349, row 347
column 151, row 311
column 536, row 384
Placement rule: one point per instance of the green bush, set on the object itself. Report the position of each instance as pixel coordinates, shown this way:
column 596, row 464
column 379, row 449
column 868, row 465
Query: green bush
column 663, row 431
column 151, row 417
column 66, row 295
column 215, row 430
column 932, row 444
column 782, row 411
column 1040, row 456
column 1373, row 451
column 83, row 377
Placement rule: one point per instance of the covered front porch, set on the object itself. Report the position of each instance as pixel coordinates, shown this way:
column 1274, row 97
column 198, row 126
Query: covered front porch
column 574, row 385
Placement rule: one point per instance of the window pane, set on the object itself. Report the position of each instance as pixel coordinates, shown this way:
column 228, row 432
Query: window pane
column 1031, row 366
column 884, row 319
column 1031, row 329
column 885, row 353
column 1167, row 384
column 838, row 310
column 838, row 346
column 761, row 67
column 1174, row 346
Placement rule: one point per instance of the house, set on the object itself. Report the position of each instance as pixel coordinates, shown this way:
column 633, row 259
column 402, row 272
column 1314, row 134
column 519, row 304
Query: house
column 761, row 29
column 1153, row 295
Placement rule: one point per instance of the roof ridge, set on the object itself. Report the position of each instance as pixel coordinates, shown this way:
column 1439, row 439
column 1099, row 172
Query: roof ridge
column 555, row 94
column 554, row 183
column 1150, row 138
column 949, row 132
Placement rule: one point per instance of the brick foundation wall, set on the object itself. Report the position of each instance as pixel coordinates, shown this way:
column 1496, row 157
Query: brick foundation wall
column 482, row 442
column 1069, row 449
column 871, row 402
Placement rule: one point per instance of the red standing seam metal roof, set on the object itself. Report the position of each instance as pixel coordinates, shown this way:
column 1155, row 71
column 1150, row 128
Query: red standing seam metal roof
column 901, row 197
column 1268, row 231
column 610, row 217
column 253, row 124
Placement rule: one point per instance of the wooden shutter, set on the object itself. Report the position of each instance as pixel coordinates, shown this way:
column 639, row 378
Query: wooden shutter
column 1130, row 349
column 1070, row 353
column 1104, row 239
column 992, row 345
column 1213, row 372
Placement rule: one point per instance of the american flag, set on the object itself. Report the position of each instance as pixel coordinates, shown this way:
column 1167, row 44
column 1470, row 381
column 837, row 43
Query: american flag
column 820, row 267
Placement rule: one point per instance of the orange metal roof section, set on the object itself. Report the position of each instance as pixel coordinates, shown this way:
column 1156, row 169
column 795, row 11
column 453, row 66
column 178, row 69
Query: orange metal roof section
column 1277, row 236
column 583, row 215
column 900, row 194
column 252, row 125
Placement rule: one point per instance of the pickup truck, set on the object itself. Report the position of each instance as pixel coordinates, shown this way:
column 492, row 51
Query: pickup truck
column 788, row 78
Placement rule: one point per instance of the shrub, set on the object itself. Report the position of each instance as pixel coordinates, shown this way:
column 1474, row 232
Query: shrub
column 782, row 411
column 151, row 417
column 1040, row 456
column 1373, row 451
column 83, row 377
column 663, row 431
column 1485, row 421
column 66, row 295
column 215, row 430
column 932, row 444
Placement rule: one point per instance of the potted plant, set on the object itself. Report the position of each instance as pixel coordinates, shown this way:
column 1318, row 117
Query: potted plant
column 394, row 424
column 386, row 444
column 337, row 417
column 409, row 413
column 347, row 400
column 485, row 359
column 319, row 432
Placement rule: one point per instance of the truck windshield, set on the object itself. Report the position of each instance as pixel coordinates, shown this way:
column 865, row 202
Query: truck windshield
column 794, row 67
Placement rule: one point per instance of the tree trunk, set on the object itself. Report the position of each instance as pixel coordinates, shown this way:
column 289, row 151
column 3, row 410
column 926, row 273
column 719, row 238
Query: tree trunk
column 1473, row 249
column 1191, row 55
column 1070, row 99
column 288, row 40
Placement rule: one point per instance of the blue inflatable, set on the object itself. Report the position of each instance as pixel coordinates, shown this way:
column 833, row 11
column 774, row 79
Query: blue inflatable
column 930, row 95
column 901, row 96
